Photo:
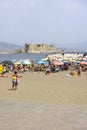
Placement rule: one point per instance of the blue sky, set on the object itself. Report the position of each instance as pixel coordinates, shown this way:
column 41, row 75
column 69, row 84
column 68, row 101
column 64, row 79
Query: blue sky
column 59, row 22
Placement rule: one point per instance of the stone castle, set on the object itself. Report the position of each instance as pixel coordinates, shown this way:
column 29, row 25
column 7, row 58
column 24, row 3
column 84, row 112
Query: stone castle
column 38, row 48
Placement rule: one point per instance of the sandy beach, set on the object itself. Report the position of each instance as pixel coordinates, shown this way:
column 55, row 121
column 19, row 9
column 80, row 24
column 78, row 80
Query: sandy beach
column 44, row 102
column 54, row 88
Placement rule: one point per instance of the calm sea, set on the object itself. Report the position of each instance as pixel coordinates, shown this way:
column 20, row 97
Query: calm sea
column 32, row 56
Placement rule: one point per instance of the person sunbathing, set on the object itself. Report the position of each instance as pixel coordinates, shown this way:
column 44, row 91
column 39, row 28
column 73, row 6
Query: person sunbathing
column 72, row 73
column 3, row 75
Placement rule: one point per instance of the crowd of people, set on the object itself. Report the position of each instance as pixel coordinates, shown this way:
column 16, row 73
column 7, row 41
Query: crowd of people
column 40, row 68
column 74, row 69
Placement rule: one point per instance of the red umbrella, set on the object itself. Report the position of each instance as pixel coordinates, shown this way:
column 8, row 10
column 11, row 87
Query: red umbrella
column 83, row 63
column 57, row 63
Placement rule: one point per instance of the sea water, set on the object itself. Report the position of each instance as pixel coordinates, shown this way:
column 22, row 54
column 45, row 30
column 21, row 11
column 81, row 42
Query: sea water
column 17, row 57
column 22, row 56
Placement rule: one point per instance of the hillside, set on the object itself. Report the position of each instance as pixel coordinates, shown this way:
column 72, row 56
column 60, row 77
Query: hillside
column 8, row 47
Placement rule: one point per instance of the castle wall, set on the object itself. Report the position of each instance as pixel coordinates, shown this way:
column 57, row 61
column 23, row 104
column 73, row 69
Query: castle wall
column 39, row 48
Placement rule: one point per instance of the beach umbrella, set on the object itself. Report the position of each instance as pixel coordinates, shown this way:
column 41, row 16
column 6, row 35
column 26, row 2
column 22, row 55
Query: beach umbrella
column 77, row 62
column 66, row 62
column 85, row 60
column 26, row 63
column 57, row 63
column 13, row 61
column 83, row 63
column 7, row 62
column 72, row 60
column 42, row 62
column 17, row 63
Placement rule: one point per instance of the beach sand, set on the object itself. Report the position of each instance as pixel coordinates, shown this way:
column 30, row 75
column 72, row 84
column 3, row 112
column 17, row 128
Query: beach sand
column 44, row 102
column 53, row 88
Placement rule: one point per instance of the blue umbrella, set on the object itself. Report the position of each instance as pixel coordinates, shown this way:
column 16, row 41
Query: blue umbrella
column 66, row 62
column 26, row 63
column 85, row 60
column 42, row 62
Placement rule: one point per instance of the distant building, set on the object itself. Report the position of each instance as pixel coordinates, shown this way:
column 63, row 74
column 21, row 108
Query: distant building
column 37, row 48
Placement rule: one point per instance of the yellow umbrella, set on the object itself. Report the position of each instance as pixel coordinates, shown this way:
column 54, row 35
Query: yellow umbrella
column 17, row 63
column 71, row 60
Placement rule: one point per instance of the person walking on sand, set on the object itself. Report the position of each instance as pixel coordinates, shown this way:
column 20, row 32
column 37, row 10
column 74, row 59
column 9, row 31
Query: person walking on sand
column 15, row 80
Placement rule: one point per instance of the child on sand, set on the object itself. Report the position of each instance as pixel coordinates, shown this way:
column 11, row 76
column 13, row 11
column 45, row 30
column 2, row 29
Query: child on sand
column 15, row 80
